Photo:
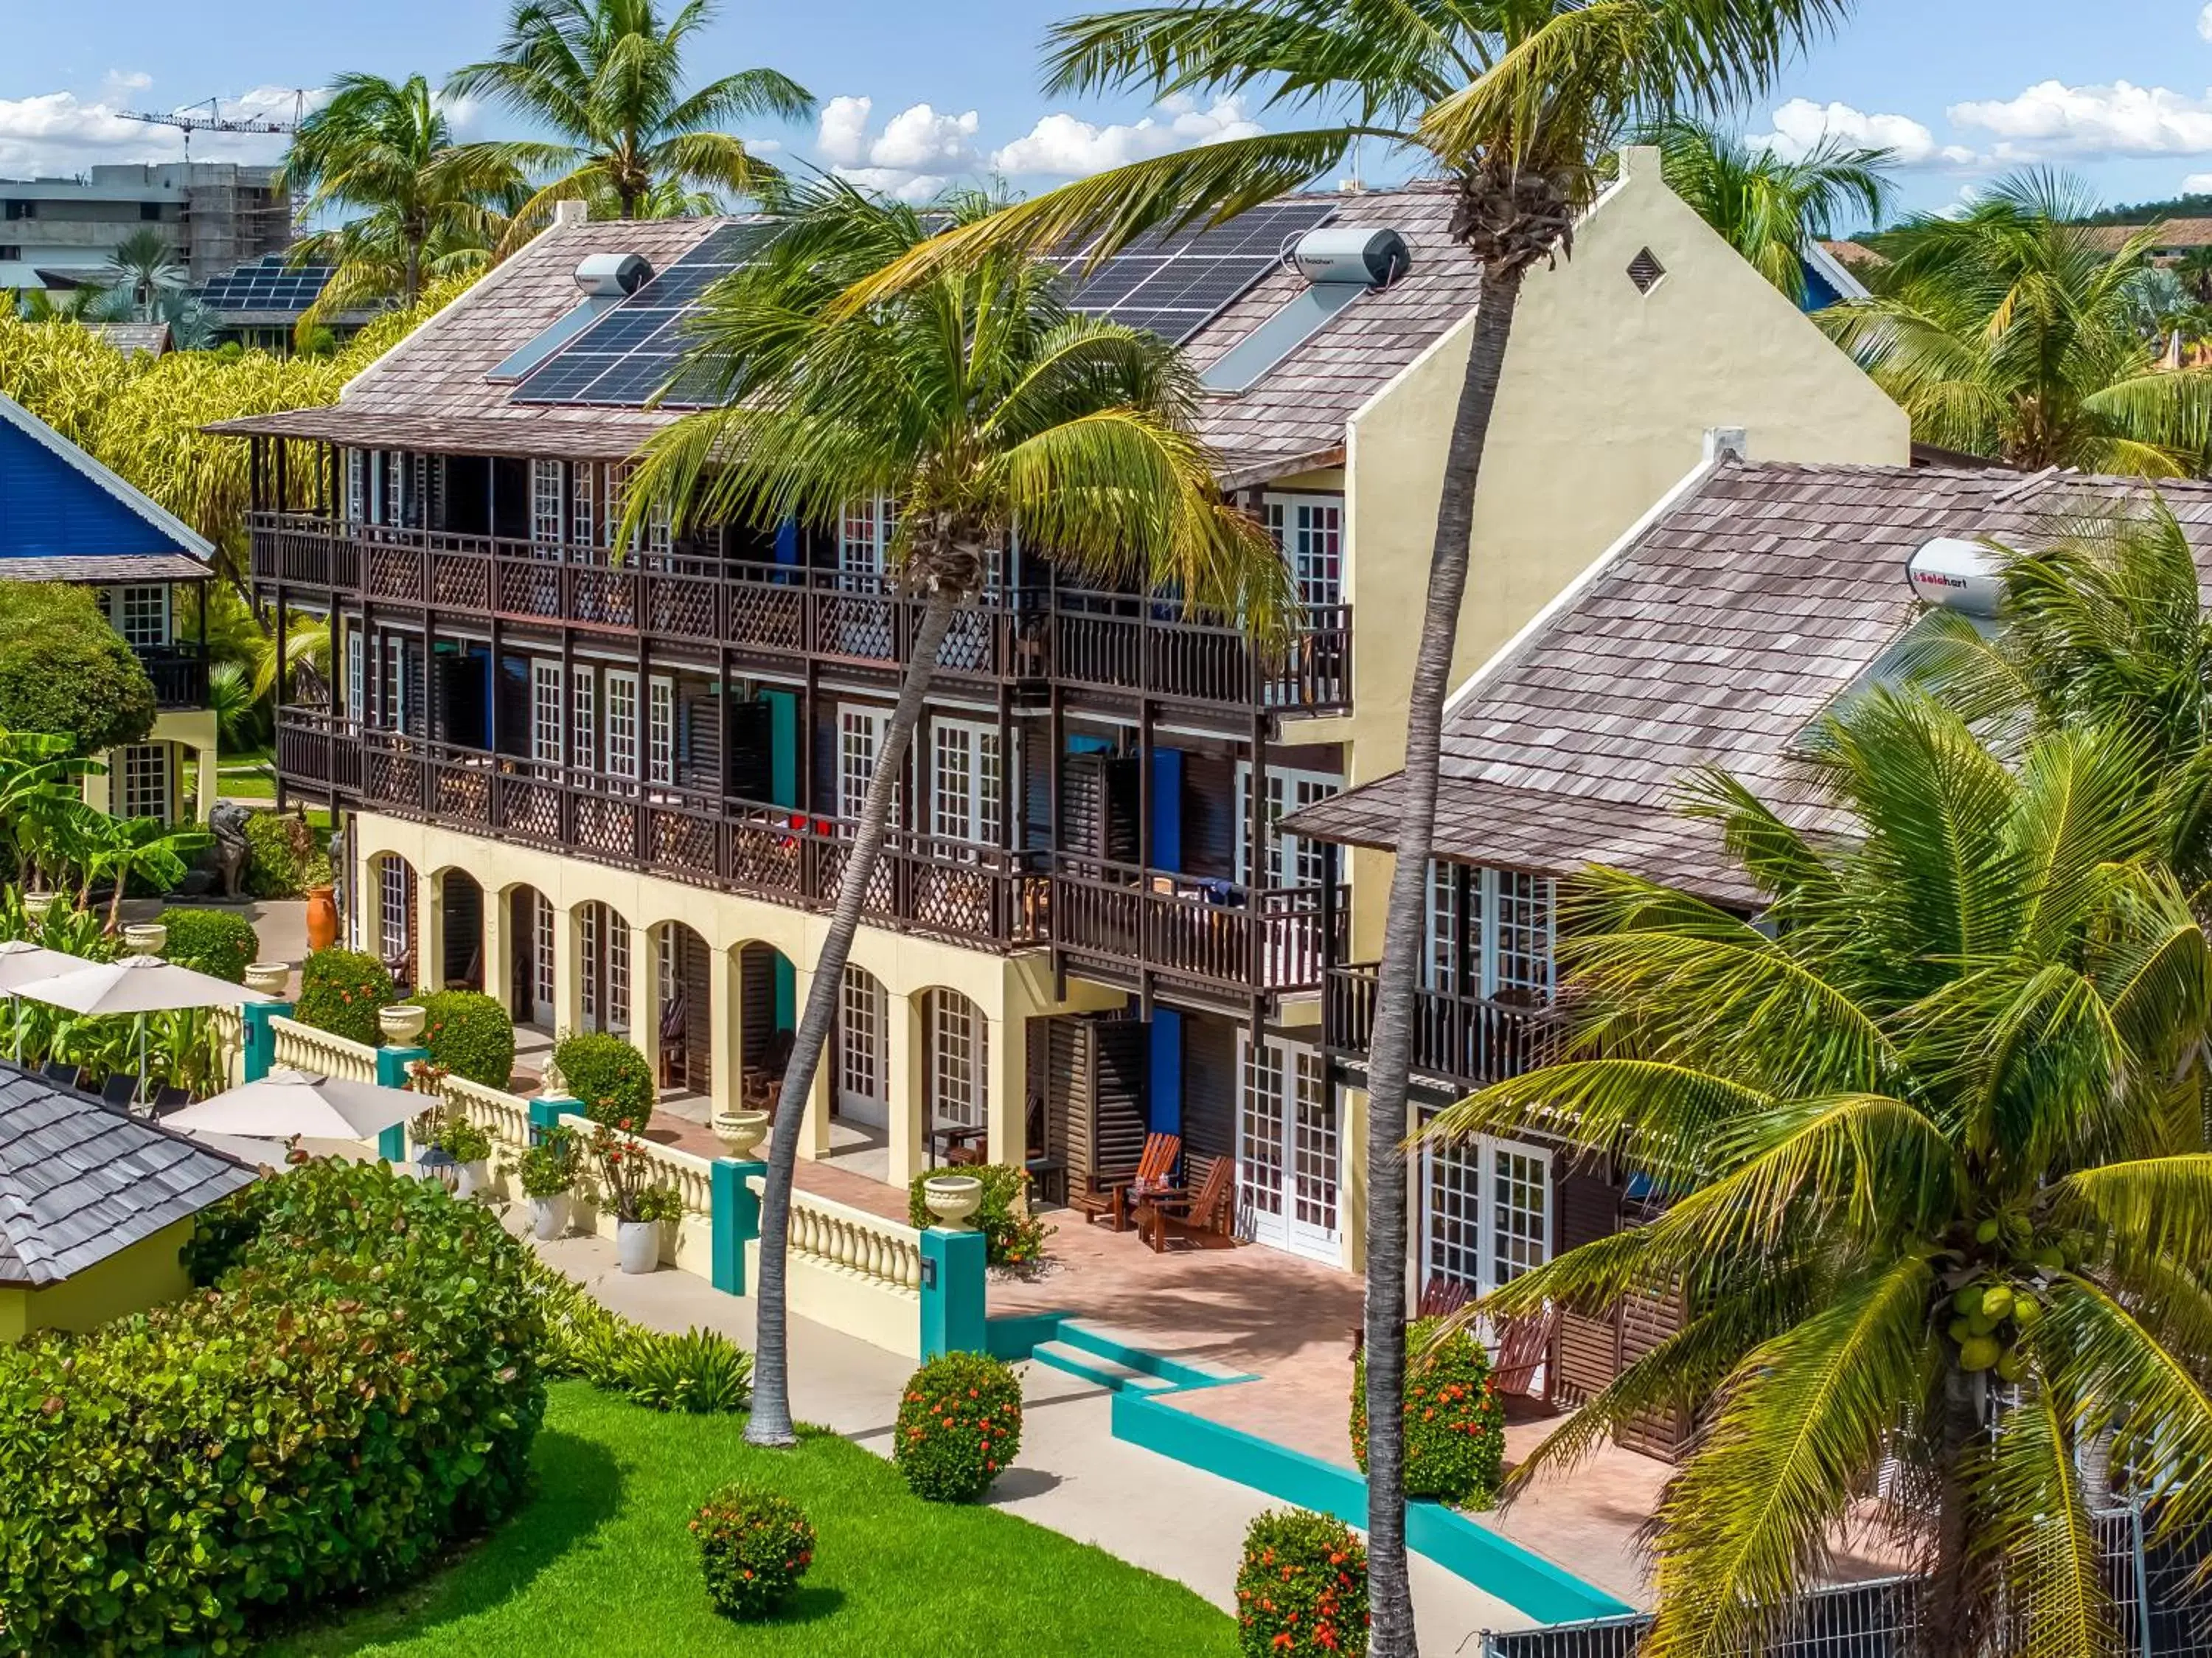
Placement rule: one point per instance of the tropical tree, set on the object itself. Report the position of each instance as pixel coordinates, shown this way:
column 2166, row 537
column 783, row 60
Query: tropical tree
column 140, row 267
column 119, row 849
column 607, row 76
column 1516, row 102
column 1933, row 1135
column 383, row 151
column 2012, row 331
column 975, row 403
column 1768, row 207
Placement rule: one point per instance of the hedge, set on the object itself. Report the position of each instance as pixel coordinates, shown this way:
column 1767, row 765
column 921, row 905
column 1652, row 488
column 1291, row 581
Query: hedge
column 608, row 1076
column 356, row 1393
column 341, row 991
column 215, row 942
column 1011, row 1236
column 470, row 1035
column 1454, row 1421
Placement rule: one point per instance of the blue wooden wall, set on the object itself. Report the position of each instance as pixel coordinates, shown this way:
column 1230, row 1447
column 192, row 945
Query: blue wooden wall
column 50, row 509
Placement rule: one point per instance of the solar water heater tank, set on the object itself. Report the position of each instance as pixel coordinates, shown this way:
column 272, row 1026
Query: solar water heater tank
column 1352, row 253
column 610, row 276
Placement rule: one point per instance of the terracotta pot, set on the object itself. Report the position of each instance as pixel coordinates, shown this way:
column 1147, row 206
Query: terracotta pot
column 322, row 917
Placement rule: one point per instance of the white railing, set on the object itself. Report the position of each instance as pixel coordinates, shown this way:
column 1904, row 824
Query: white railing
column 504, row 1116
column 228, row 1025
column 853, row 1270
column 303, row 1047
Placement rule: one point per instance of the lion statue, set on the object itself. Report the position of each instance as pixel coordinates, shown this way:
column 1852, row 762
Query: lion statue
column 227, row 823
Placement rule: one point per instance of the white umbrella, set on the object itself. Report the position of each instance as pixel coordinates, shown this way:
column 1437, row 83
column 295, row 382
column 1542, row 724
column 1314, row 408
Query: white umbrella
column 21, row 961
column 137, row 985
column 288, row 1102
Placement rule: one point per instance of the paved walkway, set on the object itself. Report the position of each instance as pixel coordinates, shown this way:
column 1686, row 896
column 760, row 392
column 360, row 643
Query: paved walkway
column 1073, row 1476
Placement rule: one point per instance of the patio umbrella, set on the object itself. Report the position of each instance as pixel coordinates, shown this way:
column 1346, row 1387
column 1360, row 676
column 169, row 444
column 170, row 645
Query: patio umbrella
column 288, row 1103
column 137, row 985
column 21, row 961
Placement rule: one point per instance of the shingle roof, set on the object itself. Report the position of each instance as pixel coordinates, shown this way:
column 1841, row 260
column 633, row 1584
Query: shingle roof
column 106, row 567
column 79, row 1182
column 1715, row 637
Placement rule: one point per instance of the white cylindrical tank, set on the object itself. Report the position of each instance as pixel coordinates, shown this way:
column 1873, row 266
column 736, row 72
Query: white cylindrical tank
column 1350, row 253
column 608, row 276
column 1958, row 574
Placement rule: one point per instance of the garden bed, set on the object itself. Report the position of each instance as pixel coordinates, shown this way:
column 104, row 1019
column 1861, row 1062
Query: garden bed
column 601, row 1562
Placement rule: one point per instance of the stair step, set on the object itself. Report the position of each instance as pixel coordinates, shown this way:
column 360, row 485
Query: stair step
column 1119, row 1346
column 1110, row 1374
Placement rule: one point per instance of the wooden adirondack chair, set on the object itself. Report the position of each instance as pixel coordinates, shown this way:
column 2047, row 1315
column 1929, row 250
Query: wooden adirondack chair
column 1441, row 1297
column 1202, row 1212
column 1116, row 1200
column 1523, row 1347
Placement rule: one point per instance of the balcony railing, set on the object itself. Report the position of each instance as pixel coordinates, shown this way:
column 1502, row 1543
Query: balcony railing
column 179, row 671
column 1112, row 642
column 978, row 894
column 1210, row 934
column 1461, row 1040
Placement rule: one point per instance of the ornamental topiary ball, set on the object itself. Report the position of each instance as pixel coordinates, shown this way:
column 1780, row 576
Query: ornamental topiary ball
column 608, row 1076
column 211, row 942
column 754, row 1546
column 1454, row 1421
column 959, row 1424
column 1302, row 1589
column 470, row 1035
column 341, row 991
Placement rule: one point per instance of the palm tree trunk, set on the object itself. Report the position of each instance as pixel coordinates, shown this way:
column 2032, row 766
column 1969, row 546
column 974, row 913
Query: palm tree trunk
column 1391, row 1054
column 414, row 270
column 1953, row 1621
column 770, row 1422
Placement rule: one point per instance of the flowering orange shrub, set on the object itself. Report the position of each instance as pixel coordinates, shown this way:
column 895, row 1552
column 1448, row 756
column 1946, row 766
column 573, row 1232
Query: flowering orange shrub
column 959, row 1423
column 1302, row 1588
column 754, row 1546
column 1454, row 1421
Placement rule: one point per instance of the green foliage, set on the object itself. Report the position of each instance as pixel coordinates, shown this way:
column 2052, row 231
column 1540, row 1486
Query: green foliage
column 356, row 1393
column 341, row 991
column 959, row 1423
column 469, row 1034
column 699, row 1372
column 462, row 1140
column 218, row 942
column 1302, row 1587
column 610, row 1077
column 1455, row 1421
column 278, row 845
column 65, row 670
column 550, row 1166
column 754, row 1546
column 1013, row 1237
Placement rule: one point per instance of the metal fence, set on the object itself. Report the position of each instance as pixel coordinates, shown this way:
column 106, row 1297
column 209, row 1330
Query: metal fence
column 2159, row 1593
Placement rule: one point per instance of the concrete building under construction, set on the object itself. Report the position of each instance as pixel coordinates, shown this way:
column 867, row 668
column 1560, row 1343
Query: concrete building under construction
column 56, row 232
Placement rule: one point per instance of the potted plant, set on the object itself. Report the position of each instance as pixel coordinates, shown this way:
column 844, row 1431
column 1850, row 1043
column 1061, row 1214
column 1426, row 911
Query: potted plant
column 641, row 1203
column 470, row 1148
column 547, row 1172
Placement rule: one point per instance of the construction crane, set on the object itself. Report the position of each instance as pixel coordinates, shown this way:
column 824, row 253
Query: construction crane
column 186, row 121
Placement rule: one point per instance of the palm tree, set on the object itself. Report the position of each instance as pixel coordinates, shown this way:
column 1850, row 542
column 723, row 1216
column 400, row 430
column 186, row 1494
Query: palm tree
column 385, row 150
column 1933, row 1138
column 1516, row 102
column 978, row 404
column 1769, row 208
column 608, row 76
column 140, row 265
column 2011, row 332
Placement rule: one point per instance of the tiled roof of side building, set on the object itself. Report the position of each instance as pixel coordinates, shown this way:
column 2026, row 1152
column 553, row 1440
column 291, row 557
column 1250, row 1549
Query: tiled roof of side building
column 79, row 1182
column 1714, row 638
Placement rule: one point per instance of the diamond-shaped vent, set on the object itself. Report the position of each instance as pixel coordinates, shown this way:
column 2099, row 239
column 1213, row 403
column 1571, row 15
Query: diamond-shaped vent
column 1645, row 270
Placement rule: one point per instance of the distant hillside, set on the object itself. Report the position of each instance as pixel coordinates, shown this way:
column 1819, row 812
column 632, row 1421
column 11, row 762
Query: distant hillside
column 2178, row 207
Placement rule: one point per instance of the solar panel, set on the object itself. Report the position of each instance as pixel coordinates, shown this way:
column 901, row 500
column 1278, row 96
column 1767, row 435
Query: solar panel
column 1174, row 285
column 637, row 349
column 270, row 283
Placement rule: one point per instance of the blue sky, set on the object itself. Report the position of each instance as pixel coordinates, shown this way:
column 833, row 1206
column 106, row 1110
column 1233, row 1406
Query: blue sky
column 916, row 94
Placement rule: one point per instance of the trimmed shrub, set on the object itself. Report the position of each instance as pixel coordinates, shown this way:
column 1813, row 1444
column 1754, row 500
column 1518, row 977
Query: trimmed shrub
column 470, row 1035
column 212, row 942
column 277, row 848
column 608, row 1076
column 701, row 1371
column 1013, row 1237
column 959, row 1423
column 1454, row 1421
column 341, row 991
column 1302, row 1586
column 64, row 669
column 356, row 1393
column 754, row 1546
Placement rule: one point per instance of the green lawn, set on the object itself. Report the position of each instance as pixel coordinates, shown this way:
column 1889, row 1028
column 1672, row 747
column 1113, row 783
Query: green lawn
column 601, row 1564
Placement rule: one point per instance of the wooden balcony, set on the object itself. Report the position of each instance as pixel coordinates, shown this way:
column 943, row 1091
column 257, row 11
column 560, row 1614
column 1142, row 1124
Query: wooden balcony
column 1116, row 643
column 179, row 671
column 1463, row 1041
column 980, row 896
column 1235, row 942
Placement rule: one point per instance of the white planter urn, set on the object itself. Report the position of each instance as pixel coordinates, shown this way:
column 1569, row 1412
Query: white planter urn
column 145, row 937
column 741, row 1131
column 952, row 1198
column 472, row 1178
column 401, row 1023
column 548, row 1218
column 270, row 977
column 637, row 1244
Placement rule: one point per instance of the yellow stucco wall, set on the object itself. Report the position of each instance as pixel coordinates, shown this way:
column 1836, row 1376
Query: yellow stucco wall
column 145, row 1274
column 195, row 763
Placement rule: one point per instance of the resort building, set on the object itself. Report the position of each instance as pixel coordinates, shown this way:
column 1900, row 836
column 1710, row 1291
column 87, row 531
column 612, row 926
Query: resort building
column 60, row 232
column 1752, row 599
column 64, row 517
column 616, row 786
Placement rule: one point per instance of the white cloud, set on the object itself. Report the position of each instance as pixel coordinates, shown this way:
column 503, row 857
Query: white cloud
column 1801, row 125
column 843, row 134
column 2053, row 120
column 919, row 151
column 117, row 81
column 2204, row 22
column 1063, row 146
column 61, row 134
column 2198, row 183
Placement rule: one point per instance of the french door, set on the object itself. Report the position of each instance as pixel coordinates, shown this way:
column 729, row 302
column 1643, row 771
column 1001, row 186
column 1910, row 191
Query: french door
column 1287, row 1151
column 545, row 720
column 1310, row 529
column 622, row 727
column 541, row 960
column 1291, row 860
column 863, row 1050
column 967, row 782
column 1486, row 1211
column 861, row 735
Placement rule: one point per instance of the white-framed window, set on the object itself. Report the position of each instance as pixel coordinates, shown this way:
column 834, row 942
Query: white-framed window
column 541, row 957
column 1310, row 529
column 622, row 724
column 396, row 707
column 144, row 771
column 356, row 674
column 584, row 529
column 1488, row 1215
column 1288, row 1166
column 863, row 1047
column 651, row 538
column 966, row 782
column 618, row 976
column 545, row 722
column 356, row 508
column 958, row 1059
column 587, row 940
column 1511, row 934
column 140, row 613
column 660, row 731
column 547, row 496
column 584, row 726
column 860, row 734
column 395, row 920
column 1292, row 860
column 864, row 537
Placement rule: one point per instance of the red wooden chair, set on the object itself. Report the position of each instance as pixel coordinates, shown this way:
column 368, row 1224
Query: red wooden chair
column 1115, row 1199
column 1522, row 1348
column 1441, row 1297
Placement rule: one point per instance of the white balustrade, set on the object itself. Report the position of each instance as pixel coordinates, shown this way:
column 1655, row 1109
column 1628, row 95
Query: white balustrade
column 302, row 1047
column 854, row 1241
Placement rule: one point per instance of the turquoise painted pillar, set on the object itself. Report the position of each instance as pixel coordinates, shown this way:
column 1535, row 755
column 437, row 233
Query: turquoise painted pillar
column 952, row 1314
column 391, row 1065
column 737, row 1221
column 261, row 1055
column 546, row 1112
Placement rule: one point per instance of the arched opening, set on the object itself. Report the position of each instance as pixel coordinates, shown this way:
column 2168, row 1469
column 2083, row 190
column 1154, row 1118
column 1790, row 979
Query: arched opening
column 529, row 991
column 956, row 1077
column 462, row 967
column 768, row 1015
column 392, row 882
column 686, row 1014
column 603, row 939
